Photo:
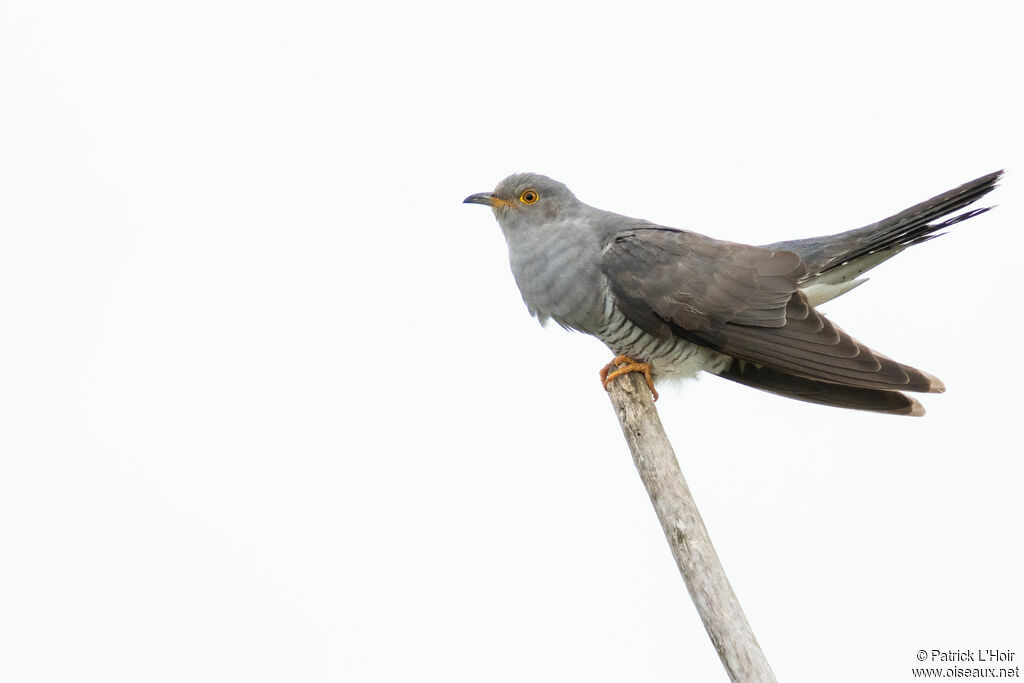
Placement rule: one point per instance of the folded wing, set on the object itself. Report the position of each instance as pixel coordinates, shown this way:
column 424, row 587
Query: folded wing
column 743, row 301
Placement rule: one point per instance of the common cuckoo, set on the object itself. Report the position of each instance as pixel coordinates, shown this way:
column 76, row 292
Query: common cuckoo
column 672, row 302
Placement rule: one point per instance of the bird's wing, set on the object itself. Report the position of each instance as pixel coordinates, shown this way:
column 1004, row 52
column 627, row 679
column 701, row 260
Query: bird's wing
column 742, row 301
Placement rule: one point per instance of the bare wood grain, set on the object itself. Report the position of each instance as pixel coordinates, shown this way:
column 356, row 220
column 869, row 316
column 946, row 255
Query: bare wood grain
column 687, row 536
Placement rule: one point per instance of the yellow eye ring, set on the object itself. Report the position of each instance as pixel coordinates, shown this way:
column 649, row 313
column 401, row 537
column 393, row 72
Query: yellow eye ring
column 529, row 196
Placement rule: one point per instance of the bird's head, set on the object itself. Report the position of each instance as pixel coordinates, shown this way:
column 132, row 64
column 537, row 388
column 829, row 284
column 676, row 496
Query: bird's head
column 527, row 199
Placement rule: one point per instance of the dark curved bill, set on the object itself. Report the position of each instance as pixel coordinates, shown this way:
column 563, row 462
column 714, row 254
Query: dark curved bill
column 485, row 198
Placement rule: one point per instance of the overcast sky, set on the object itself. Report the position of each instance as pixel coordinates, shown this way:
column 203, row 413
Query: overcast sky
column 272, row 409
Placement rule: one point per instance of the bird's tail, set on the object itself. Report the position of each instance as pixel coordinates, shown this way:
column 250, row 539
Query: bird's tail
column 834, row 262
column 825, row 393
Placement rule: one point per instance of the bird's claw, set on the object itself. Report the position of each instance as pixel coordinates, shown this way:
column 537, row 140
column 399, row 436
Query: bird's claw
column 627, row 365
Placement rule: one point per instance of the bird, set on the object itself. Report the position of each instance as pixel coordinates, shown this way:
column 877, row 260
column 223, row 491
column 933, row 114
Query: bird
column 671, row 303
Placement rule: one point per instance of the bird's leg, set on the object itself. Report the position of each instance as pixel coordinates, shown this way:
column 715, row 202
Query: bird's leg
column 607, row 375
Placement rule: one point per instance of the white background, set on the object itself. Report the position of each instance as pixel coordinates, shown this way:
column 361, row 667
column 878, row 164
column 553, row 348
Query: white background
column 271, row 408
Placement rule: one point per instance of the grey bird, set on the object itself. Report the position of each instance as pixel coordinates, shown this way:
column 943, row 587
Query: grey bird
column 671, row 303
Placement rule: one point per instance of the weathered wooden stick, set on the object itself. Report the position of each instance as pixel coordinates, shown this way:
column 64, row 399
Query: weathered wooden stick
column 695, row 556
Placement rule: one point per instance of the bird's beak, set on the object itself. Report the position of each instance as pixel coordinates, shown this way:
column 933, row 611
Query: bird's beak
column 487, row 199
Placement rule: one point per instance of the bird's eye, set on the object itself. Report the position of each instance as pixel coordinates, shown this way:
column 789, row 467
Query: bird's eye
column 529, row 196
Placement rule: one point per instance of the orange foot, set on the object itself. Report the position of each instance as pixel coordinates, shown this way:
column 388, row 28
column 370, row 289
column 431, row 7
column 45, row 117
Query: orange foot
column 631, row 366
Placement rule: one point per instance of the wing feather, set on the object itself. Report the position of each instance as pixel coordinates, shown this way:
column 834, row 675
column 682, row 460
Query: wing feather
column 742, row 301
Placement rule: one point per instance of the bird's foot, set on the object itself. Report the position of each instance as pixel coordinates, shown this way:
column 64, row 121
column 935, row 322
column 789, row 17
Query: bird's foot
column 630, row 365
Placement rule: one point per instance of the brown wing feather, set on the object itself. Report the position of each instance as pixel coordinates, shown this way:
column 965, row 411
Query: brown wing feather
column 743, row 301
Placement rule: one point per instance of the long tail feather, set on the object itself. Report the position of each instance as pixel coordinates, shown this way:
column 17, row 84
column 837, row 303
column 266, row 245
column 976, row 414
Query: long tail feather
column 893, row 234
column 825, row 393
